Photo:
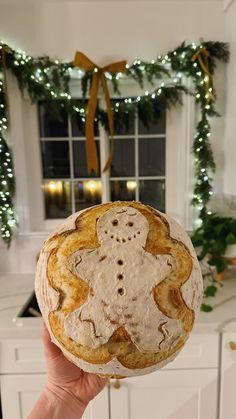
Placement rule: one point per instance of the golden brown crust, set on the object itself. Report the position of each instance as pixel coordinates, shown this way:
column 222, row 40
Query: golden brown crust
column 74, row 291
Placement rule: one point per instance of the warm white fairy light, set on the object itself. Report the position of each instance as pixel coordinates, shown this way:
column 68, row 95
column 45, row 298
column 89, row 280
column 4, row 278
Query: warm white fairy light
column 41, row 76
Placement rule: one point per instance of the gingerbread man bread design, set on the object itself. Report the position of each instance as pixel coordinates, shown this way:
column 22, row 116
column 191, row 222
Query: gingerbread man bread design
column 119, row 287
column 121, row 276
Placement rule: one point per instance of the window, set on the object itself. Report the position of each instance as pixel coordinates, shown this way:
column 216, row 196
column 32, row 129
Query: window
column 67, row 186
column 137, row 171
column 161, row 176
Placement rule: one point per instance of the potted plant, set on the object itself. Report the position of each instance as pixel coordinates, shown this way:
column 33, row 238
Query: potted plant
column 215, row 243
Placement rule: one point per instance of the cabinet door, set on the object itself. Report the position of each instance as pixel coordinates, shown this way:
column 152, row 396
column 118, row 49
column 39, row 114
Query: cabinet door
column 176, row 394
column 228, row 378
column 20, row 392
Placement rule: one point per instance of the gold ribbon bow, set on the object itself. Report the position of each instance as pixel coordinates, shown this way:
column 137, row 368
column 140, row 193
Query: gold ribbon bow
column 202, row 56
column 84, row 62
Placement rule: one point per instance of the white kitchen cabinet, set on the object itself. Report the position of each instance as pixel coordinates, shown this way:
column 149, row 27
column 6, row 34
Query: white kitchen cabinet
column 228, row 377
column 185, row 388
column 23, row 375
column 180, row 394
column 20, row 392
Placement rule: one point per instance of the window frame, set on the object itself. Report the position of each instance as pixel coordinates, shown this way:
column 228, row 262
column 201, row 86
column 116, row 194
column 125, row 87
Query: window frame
column 25, row 142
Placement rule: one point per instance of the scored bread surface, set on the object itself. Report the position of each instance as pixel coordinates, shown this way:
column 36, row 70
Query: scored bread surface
column 144, row 326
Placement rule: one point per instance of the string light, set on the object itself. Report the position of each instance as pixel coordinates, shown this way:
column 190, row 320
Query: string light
column 40, row 74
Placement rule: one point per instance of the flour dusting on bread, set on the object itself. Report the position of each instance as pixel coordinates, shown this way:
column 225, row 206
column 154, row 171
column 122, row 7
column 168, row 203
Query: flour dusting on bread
column 119, row 286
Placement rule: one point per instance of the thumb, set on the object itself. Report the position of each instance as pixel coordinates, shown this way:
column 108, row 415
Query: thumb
column 51, row 351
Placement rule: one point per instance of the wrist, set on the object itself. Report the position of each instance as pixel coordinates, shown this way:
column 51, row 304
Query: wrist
column 64, row 402
column 56, row 404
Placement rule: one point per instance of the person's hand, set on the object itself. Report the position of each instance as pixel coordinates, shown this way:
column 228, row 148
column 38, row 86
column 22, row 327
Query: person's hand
column 68, row 389
column 64, row 378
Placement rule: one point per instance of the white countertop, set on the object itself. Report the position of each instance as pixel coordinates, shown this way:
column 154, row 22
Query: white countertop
column 16, row 288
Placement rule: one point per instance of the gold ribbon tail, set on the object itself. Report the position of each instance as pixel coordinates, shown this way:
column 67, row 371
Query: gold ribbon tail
column 119, row 66
column 91, row 149
column 4, row 68
column 110, row 122
column 204, row 66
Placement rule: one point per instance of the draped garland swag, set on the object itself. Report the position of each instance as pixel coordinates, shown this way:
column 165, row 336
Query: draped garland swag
column 48, row 80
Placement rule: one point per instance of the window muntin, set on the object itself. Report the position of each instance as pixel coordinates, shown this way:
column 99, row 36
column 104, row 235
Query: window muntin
column 137, row 171
column 67, row 185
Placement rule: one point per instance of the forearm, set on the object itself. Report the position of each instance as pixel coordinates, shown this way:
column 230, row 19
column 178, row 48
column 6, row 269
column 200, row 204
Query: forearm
column 57, row 405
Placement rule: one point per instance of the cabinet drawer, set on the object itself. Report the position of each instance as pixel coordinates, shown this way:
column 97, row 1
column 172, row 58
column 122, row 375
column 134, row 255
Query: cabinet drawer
column 20, row 392
column 26, row 355
column 21, row 356
column 200, row 351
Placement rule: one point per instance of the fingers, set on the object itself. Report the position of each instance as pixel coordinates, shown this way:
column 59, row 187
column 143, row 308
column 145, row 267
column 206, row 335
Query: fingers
column 51, row 351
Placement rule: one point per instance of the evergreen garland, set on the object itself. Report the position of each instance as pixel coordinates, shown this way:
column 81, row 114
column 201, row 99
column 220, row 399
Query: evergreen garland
column 45, row 79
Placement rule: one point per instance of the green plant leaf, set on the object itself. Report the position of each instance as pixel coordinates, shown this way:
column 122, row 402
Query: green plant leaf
column 219, row 247
column 204, row 252
column 233, row 226
column 231, row 238
column 220, row 263
column 206, row 307
column 210, row 291
column 218, row 229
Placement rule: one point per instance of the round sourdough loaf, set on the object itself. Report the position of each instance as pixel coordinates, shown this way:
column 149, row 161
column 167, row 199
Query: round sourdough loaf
column 119, row 286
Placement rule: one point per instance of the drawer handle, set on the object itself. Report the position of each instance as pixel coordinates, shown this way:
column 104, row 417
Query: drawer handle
column 232, row 345
column 116, row 384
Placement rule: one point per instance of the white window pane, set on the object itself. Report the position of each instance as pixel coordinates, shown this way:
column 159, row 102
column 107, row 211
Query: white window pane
column 55, row 159
column 158, row 125
column 53, row 120
column 123, row 190
column 152, row 157
column 57, row 199
column 123, row 159
column 87, row 193
column 152, row 192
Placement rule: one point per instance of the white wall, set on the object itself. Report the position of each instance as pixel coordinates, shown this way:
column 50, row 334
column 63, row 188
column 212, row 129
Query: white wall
column 108, row 31
column 230, row 114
